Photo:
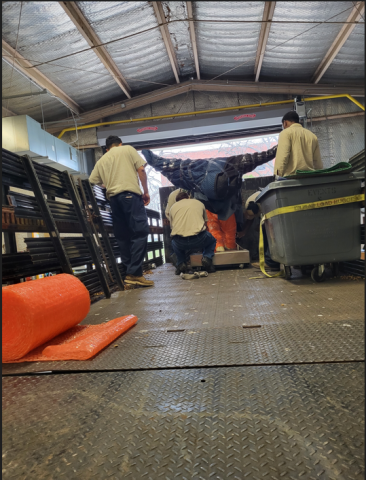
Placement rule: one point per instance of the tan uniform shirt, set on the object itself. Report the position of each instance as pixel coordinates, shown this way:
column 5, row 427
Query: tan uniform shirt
column 117, row 170
column 298, row 149
column 171, row 201
column 188, row 217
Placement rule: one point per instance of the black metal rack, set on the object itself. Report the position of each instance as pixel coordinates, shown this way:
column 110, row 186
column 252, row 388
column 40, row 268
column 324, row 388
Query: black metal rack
column 99, row 209
column 61, row 206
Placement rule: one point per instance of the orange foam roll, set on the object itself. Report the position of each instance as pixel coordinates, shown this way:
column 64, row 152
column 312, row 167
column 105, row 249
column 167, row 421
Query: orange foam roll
column 35, row 312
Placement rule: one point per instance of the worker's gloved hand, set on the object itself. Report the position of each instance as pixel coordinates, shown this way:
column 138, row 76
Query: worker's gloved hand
column 146, row 199
column 240, row 234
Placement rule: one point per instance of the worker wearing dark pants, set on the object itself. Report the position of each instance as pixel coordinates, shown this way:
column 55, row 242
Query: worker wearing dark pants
column 120, row 170
column 188, row 220
column 203, row 242
column 128, row 210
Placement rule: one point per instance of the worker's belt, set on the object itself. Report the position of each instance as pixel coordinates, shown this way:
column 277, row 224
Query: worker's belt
column 299, row 208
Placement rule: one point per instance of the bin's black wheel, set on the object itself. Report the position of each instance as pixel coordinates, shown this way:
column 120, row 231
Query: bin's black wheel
column 316, row 277
column 335, row 269
column 288, row 272
column 303, row 269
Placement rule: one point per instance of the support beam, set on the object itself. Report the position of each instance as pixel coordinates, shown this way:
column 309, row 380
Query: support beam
column 215, row 86
column 93, row 40
column 263, row 37
column 160, row 16
column 86, row 133
column 193, row 38
column 339, row 41
column 337, row 116
column 26, row 68
column 8, row 113
column 84, row 147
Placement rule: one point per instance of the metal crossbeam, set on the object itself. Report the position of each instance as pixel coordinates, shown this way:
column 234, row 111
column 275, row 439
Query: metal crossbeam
column 213, row 86
column 160, row 16
column 268, row 12
column 81, row 23
column 339, row 41
column 7, row 113
column 26, row 68
column 193, row 38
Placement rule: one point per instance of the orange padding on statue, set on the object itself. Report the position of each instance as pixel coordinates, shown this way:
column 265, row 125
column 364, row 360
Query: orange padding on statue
column 223, row 230
column 81, row 342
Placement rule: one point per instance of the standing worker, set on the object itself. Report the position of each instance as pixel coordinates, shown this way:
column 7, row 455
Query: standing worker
column 119, row 170
column 298, row 149
column 188, row 221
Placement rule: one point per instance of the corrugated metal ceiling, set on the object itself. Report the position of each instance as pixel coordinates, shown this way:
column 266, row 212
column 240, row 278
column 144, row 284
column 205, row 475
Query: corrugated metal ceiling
column 180, row 36
column 223, row 46
column 47, row 33
column 225, row 50
column 32, row 106
column 298, row 58
column 349, row 64
column 142, row 59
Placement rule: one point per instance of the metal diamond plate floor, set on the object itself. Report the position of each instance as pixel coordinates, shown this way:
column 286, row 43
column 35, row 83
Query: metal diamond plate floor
column 269, row 344
column 207, row 322
column 280, row 395
column 230, row 298
column 275, row 422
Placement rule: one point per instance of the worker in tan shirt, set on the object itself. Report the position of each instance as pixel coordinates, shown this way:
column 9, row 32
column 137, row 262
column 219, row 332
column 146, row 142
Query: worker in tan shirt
column 188, row 220
column 171, row 200
column 120, row 170
column 298, row 148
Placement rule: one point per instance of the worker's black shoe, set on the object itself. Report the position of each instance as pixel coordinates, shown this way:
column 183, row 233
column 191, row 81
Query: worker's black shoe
column 207, row 265
column 182, row 268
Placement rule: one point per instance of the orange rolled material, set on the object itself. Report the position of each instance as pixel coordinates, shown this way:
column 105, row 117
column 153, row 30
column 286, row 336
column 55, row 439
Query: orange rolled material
column 35, row 312
column 90, row 341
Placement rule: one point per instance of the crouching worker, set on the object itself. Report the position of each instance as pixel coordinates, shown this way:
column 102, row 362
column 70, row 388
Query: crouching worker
column 188, row 221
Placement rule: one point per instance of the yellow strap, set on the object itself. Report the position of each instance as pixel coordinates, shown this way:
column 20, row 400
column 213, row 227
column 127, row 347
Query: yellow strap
column 299, row 208
column 311, row 206
column 261, row 254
